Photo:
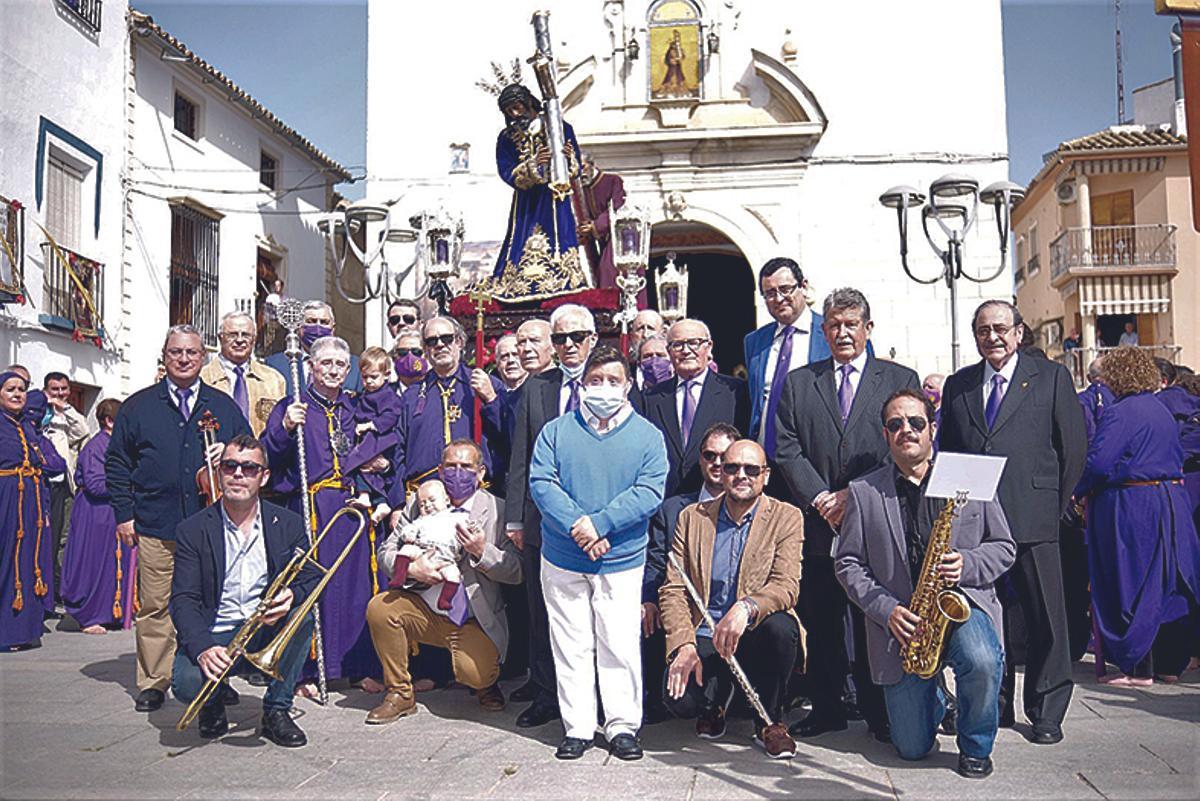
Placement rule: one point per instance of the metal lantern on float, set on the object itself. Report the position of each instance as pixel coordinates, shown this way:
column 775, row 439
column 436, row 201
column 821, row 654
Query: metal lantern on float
column 439, row 251
column 629, row 229
column 671, row 286
column 342, row 227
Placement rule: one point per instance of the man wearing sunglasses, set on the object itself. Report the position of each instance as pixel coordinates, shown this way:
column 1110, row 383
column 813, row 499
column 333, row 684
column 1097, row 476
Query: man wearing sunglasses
column 741, row 552
column 683, row 407
column 881, row 551
column 544, row 397
column 402, row 314
column 318, row 322
column 827, row 437
column 1025, row 409
column 225, row 558
column 254, row 386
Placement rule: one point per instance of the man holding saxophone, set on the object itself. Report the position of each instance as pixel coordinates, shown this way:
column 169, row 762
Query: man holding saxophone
column 226, row 556
column 880, row 560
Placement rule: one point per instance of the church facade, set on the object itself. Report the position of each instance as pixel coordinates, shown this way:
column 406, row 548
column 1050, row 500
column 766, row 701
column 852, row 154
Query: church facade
column 748, row 130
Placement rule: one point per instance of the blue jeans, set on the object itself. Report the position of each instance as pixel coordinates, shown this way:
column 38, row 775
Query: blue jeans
column 187, row 679
column 916, row 706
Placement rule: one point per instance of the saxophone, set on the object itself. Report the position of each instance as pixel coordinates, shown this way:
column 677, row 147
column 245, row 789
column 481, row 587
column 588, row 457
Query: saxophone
column 934, row 600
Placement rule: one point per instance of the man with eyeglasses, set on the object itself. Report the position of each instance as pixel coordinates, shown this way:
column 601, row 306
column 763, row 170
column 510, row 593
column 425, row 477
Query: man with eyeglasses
column 254, row 386
column 544, row 397
column 150, row 470
column 402, row 313
column 795, row 335
column 1025, row 409
column 880, row 554
column 683, row 407
column 827, row 437
column 408, row 359
column 318, row 322
column 741, row 551
column 249, row 542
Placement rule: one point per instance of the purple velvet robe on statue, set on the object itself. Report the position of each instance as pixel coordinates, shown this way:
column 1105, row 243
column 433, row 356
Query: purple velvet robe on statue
column 343, row 604
column 90, row 587
column 1142, row 552
column 21, row 445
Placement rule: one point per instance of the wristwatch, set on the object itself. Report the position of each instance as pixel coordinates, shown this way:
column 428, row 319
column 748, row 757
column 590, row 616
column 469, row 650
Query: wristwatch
column 751, row 608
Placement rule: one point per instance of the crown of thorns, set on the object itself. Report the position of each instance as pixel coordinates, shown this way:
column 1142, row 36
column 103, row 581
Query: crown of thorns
column 501, row 78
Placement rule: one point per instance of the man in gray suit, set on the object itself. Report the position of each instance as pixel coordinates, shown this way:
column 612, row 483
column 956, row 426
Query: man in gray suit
column 401, row 616
column 827, row 435
column 880, row 554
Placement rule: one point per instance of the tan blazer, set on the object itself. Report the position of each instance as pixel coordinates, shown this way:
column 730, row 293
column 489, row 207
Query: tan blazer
column 264, row 387
column 769, row 573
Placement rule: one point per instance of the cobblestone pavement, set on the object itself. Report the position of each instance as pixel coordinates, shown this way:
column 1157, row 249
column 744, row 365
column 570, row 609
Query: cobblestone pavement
column 68, row 730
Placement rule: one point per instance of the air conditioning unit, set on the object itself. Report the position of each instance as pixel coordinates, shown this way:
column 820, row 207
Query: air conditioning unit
column 1066, row 193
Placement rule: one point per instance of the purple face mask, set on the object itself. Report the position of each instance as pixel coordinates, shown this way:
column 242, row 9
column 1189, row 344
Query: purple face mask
column 311, row 332
column 411, row 366
column 656, row 369
column 460, row 482
column 934, row 395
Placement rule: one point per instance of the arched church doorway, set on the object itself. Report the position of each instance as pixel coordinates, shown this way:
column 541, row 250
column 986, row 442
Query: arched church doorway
column 720, row 283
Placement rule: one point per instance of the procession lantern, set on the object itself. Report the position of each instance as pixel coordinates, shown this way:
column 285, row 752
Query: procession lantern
column 630, row 226
column 439, row 243
column 672, row 284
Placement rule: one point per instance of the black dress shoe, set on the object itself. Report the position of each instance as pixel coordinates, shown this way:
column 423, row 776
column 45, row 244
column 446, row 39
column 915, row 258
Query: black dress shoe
column 256, row 678
column 972, row 768
column 213, row 722
column 625, row 746
column 572, row 748
column 538, row 714
column 814, row 726
column 949, row 723
column 229, row 696
column 279, row 728
column 524, row 693
column 1045, row 733
column 882, row 732
column 148, row 700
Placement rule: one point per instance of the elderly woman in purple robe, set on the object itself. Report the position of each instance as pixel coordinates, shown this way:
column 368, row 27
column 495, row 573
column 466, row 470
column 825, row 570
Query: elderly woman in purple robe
column 1142, row 550
column 99, row 571
column 26, row 566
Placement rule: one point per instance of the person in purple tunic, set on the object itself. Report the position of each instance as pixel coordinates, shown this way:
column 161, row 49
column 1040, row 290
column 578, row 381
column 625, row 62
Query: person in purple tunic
column 98, row 569
column 26, row 571
column 37, row 411
column 1142, row 548
column 328, row 438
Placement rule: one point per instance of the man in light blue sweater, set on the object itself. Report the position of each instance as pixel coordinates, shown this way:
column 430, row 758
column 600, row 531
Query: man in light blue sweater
column 597, row 476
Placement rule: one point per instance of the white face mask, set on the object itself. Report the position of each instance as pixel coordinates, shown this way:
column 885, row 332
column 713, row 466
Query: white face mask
column 604, row 400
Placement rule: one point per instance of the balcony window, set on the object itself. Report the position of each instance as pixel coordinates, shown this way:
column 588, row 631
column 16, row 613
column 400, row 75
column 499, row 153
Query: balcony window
column 195, row 241
column 87, row 12
column 186, row 117
column 73, row 290
column 268, row 170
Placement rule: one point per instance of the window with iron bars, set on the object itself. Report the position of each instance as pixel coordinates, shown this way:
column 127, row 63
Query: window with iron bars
column 195, row 244
column 87, row 12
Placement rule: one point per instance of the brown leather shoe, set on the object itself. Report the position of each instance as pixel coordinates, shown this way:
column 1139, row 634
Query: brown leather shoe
column 776, row 741
column 396, row 704
column 491, row 699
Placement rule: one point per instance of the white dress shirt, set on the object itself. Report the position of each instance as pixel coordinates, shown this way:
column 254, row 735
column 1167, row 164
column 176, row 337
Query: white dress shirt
column 195, row 394
column 229, row 368
column 245, row 572
column 564, row 392
column 1006, row 371
column 800, row 344
column 696, row 393
column 855, row 376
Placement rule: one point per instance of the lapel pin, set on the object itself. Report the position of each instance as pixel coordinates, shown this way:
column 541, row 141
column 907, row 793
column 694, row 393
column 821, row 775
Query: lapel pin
column 1024, row 384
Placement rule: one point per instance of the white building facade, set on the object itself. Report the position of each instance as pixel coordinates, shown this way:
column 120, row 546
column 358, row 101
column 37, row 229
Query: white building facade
column 791, row 120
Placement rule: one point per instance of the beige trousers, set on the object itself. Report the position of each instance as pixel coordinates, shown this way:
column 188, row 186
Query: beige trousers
column 155, row 632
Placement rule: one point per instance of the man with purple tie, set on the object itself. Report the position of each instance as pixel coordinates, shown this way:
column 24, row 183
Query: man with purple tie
column 254, row 386
column 829, row 435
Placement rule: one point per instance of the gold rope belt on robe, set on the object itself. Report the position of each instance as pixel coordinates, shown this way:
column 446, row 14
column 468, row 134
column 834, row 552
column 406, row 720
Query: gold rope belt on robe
column 26, row 470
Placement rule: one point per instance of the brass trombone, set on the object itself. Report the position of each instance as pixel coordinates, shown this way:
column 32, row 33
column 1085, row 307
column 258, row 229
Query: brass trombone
column 267, row 660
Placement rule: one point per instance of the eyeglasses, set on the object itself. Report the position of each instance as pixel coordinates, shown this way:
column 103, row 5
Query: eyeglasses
column 781, row 292
column 397, row 319
column 640, row 327
column 751, row 470
column 179, row 353
column 691, row 344
column 443, row 339
column 400, row 353
column 999, row 330
column 237, row 336
column 711, row 456
column 230, row 467
column 578, row 337
column 917, row 424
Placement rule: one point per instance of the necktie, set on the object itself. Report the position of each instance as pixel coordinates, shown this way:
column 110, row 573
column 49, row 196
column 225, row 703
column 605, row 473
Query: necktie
column 846, row 391
column 994, row 400
column 573, row 398
column 184, row 410
column 689, row 410
column 240, row 396
column 782, row 367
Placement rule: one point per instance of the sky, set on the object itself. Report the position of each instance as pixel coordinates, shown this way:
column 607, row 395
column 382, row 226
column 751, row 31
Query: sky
column 307, row 62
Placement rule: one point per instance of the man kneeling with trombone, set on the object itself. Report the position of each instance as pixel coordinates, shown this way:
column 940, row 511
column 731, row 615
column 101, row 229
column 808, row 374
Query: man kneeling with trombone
column 221, row 604
column 733, row 574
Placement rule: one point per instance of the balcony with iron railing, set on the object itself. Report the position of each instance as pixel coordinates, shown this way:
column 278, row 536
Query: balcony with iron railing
column 86, row 12
column 1138, row 249
column 1078, row 359
column 73, row 291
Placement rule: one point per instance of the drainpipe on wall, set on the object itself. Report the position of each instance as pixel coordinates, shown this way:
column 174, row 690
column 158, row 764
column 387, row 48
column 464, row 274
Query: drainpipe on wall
column 1179, row 125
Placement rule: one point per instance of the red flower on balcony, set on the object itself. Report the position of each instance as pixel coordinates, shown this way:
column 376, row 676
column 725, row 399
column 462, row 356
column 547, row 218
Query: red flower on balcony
column 15, row 205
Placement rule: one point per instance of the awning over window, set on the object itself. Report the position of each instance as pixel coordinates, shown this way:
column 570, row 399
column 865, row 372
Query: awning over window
column 1124, row 294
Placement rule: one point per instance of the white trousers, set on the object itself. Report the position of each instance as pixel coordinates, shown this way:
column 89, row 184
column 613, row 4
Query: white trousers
column 595, row 629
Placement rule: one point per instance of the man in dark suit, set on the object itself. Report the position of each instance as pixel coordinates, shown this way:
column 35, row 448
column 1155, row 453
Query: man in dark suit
column 1025, row 409
column 829, row 434
column 225, row 559
column 543, row 398
column 150, row 470
column 684, row 407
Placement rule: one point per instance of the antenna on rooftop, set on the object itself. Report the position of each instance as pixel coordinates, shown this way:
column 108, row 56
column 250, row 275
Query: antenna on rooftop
column 1120, row 69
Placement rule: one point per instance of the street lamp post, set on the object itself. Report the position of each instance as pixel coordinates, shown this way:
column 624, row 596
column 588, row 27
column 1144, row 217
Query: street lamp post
column 954, row 206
